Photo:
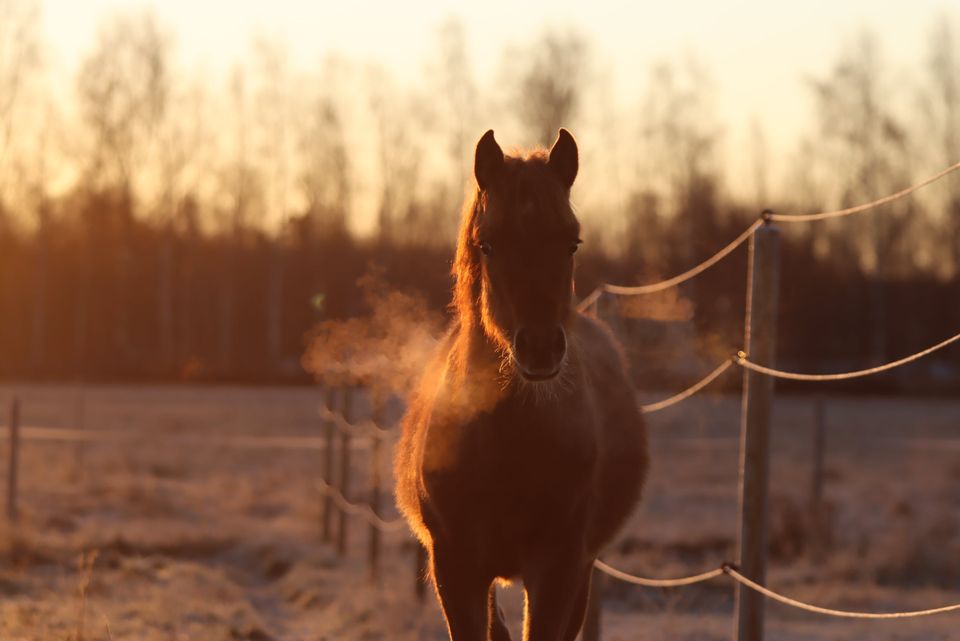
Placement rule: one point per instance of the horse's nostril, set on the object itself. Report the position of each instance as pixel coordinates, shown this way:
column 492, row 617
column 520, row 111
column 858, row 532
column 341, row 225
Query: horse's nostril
column 539, row 351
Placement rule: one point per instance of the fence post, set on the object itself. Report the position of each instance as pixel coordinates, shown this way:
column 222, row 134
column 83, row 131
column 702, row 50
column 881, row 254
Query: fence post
column 328, row 463
column 591, row 623
column 375, row 464
column 816, row 481
column 760, row 344
column 817, row 515
column 347, row 407
column 12, row 469
column 79, row 424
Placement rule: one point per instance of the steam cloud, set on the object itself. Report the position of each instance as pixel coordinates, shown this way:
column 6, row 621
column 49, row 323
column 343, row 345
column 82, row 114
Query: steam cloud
column 386, row 349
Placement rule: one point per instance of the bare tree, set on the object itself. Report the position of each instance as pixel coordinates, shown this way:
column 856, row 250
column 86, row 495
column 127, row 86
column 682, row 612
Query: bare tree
column 273, row 109
column 124, row 91
column 759, row 163
column 940, row 106
column 24, row 143
column 457, row 95
column 401, row 213
column 547, row 79
column 19, row 58
column 868, row 145
column 678, row 136
column 325, row 162
column 183, row 148
column 240, row 186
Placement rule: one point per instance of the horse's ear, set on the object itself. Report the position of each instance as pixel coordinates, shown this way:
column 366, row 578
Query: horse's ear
column 488, row 160
column 563, row 158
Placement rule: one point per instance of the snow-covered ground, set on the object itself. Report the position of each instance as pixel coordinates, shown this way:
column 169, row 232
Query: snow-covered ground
column 169, row 534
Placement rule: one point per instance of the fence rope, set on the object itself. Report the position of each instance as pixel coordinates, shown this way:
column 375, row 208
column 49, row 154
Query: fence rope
column 624, row 290
column 590, row 300
column 250, row 442
column 731, row 570
column 657, row 583
column 360, row 509
column 743, row 361
column 690, row 273
column 690, row 391
column 798, row 218
column 848, row 614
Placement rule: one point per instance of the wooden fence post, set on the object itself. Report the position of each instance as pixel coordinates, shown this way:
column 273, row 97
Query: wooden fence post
column 375, row 464
column 760, row 344
column 79, row 424
column 347, row 407
column 817, row 513
column 816, row 480
column 328, row 462
column 591, row 623
column 12, row 469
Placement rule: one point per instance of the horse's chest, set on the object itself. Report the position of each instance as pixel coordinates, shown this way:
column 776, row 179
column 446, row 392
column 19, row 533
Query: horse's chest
column 505, row 477
column 535, row 456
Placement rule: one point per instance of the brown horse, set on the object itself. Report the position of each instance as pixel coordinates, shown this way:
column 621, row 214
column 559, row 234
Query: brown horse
column 523, row 450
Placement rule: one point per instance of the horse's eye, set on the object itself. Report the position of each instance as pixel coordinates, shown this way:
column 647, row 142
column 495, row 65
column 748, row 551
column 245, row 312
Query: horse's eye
column 575, row 246
column 486, row 248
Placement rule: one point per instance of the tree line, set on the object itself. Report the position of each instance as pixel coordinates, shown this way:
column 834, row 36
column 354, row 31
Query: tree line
column 158, row 223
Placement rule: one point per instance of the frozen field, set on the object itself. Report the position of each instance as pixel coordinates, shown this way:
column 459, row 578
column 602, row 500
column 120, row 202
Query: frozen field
column 165, row 534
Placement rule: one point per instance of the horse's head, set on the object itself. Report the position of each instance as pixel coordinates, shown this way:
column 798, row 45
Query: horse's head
column 519, row 242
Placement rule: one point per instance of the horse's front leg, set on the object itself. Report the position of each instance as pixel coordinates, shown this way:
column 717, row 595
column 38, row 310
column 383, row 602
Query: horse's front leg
column 557, row 593
column 463, row 592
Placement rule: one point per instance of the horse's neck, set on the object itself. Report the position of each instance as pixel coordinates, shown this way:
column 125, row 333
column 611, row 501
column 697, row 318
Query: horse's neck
column 476, row 356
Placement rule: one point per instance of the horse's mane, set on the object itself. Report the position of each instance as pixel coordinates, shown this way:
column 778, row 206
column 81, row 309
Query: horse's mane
column 466, row 264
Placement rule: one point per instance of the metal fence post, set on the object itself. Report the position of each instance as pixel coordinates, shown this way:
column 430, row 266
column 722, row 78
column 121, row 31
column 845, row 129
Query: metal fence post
column 818, row 514
column 760, row 343
column 816, row 480
column 328, row 463
column 13, row 464
column 375, row 464
column 347, row 407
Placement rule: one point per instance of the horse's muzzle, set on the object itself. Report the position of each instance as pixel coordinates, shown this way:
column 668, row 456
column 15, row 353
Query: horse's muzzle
column 539, row 352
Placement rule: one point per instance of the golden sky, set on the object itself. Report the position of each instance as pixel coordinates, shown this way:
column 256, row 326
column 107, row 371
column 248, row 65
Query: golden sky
column 757, row 53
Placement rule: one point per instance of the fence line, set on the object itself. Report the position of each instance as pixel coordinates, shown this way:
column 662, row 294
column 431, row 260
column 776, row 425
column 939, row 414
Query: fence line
column 799, row 218
column 364, row 429
column 68, row 435
column 732, row 571
column 767, row 216
column 742, row 360
column 360, row 509
column 690, row 391
column 625, row 290
column 591, row 299
column 657, row 583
